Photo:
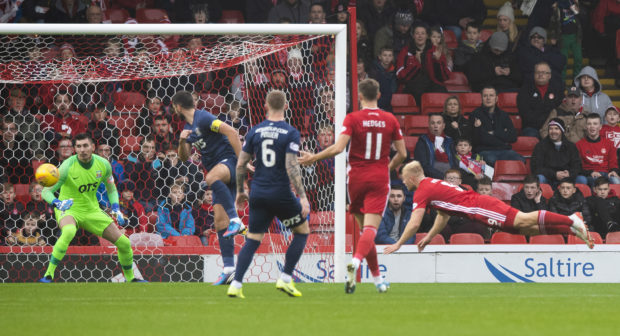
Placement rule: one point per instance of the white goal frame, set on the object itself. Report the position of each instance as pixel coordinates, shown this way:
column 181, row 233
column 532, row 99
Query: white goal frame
column 339, row 30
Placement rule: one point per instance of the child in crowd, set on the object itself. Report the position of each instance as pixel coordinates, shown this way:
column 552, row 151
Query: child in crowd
column 471, row 166
column 567, row 200
column 133, row 211
column 203, row 214
column 469, row 47
column 12, row 209
column 484, row 186
column 565, row 28
column 174, row 218
column 611, row 129
column 439, row 62
column 28, row 234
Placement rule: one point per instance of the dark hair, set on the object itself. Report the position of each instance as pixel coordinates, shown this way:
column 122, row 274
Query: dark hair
column 148, row 138
column 369, row 89
column 593, row 116
column 567, row 180
column 600, row 181
column 531, row 179
column 472, row 24
column 183, row 99
column 451, row 171
column 542, row 63
column 488, row 87
column 161, row 117
column 82, row 136
column 397, row 187
column 485, row 180
column 385, row 48
column 463, row 140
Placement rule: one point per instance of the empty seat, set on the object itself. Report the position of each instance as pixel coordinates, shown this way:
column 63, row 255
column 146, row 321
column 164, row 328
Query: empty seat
column 211, row 102
column 124, row 122
column 457, row 82
column 507, row 238
column 509, row 171
column 554, row 239
column 572, row 239
column 321, row 221
column 507, row 101
column 504, row 190
column 410, row 142
column 433, row 102
column 585, row 189
column 403, row 103
column 615, row 188
column 36, row 164
column 117, row 15
column 450, row 39
column 416, row 124
column 612, row 238
column 485, row 34
column 22, row 194
column 466, row 239
column 232, row 16
column 125, row 101
column 525, row 145
column 130, row 144
column 151, row 15
column 516, row 122
column 437, row 240
column 470, row 101
column 186, row 240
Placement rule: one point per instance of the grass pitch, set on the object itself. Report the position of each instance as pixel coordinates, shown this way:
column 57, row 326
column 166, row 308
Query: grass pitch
column 407, row 309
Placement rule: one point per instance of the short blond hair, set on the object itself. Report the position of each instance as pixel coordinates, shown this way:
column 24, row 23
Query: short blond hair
column 414, row 168
column 276, row 99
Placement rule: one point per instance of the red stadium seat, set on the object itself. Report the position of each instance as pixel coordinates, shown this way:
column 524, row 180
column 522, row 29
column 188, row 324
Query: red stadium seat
column 503, row 191
column 211, row 102
column 485, row 34
column 232, row 16
column 525, row 145
column 507, row 238
column 585, row 189
column 450, row 38
column 547, row 191
column 433, row 102
column 615, row 188
column 410, row 142
column 321, row 221
column 470, row 101
column 130, row 144
column 186, row 240
column 509, row 171
column 403, row 103
column 516, row 122
column 466, row 239
column 554, row 239
column 22, row 193
column 416, row 124
column 36, row 164
column 128, row 101
column 124, row 122
column 437, row 240
column 151, row 15
column 117, row 15
column 573, row 240
column 612, row 238
column 457, row 82
column 315, row 240
column 507, row 101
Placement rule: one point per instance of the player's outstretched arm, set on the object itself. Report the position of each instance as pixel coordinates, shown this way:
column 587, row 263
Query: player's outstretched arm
column 440, row 223
column 185, row 149
column 233, row 137
column 331, row 151
column 241, row 174
column 294, row 175
column 401, row 154
column 412, row 227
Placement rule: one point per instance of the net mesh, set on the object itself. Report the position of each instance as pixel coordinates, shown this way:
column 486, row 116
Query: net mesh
column 118, row 89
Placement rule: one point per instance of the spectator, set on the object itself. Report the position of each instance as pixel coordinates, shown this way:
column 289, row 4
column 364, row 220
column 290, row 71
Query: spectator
column 100, row 128
column 438, row 57
column 384, row 72
column 174, row 218
column 493, row 131
column 565, row 31
column 457, row 126
column 140, row 169
column 469, row 47
column 234, row 115
column 15, row 155
column 598, row 155
column 471, row 166
column 611, row 129
column 604, row 207
column 324, row 110
column 200, row 13
column 530, row 197
column 28, row 126
column 567, row 200
column 457, row 224
column 48, row 226
column 118, row 171
column 555, row 159
column 66, row 11
column 29, row 233
column 395, row 218
column 252, row 76
column 594, row 99
column 164, row 137
column 537, row 98
column 364, row 51
column 64, row 150
column 322, row 192
column 485, row 186
column 203, row 217
column 413, row 67
column 12, row 209
column 506, row 24
column 94, row 14
column 572, row 113
column 606, row 21
column 435, row 150
column 495, row 65
column 455, row 14
column 172, row 170
column 396, row 36
column 295, row 10
column 375, row 14
column 536, row 51
column 317, row 13
column 133, row 211
column 257, row 11
column 62, row 122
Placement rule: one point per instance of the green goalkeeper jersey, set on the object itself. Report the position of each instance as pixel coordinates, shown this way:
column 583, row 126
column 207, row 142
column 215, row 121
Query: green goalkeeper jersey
column 80, row 181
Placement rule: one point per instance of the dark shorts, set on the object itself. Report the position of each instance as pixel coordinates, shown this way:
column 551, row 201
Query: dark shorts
column 231, row 164
column 262, row 211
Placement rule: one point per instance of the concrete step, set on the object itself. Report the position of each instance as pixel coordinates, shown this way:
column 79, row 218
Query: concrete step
column 608, row 83
column 569, row 71
column 494, row 3
column 585, row 61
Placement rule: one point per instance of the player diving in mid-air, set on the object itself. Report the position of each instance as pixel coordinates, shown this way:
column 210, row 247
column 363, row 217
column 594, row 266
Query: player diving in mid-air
column 77, row 205
column 450, row 200
column 219, row 146
column 275, row 144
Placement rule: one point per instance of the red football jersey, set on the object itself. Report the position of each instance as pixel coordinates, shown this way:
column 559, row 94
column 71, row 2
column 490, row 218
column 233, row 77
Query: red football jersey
column 372, row 131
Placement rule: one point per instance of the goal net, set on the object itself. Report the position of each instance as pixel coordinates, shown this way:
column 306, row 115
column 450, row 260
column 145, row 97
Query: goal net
column 116, row 82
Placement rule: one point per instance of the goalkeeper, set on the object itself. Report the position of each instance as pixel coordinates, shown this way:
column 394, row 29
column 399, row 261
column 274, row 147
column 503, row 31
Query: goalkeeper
column 76, row 205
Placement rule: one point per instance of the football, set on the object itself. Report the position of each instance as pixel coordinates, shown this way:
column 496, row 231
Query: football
column 47, row 175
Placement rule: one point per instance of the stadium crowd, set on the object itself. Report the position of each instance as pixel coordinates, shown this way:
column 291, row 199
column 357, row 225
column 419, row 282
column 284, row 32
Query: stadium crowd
column 435, row 52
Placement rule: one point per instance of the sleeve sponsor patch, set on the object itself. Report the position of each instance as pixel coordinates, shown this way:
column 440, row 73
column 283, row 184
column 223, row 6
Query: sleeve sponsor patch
column 294, row 147
column 215, row 126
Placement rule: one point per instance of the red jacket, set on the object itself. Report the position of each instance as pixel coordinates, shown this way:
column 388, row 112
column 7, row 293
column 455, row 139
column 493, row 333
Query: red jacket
column 612, row 133
column 597, row 155
column 70, row 124
column 603, row 9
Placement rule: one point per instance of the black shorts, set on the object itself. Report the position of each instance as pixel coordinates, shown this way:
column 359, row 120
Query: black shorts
column 262, row 210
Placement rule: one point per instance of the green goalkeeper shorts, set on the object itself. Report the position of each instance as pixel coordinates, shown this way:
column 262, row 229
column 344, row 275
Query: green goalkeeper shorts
column 94, row 221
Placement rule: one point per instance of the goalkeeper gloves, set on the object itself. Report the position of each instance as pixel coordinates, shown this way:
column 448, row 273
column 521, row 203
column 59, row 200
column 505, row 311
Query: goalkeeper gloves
column 116, row 211
column 63, row 205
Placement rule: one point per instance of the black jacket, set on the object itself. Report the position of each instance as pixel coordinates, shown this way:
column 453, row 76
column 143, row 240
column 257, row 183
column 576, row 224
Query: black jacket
column 529, row 55
column 504, row 132
column 480, row 70
column 604, row 211
column 533, row 108
column 519, row 201
column 546, row 160
column 567, row 207
column 464, row 130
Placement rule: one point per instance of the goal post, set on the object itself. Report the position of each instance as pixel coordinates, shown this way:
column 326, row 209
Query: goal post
column 156, row 68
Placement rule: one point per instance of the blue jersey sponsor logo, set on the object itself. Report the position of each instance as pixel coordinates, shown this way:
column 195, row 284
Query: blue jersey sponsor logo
column 554, row 268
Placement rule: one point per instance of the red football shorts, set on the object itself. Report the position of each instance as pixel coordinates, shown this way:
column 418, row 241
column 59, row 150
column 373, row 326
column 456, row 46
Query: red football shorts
column 368, row 197
column 495, row 213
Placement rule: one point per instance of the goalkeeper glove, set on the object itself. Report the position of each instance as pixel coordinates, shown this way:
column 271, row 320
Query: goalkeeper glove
column 116, row 211
column 63, row 205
